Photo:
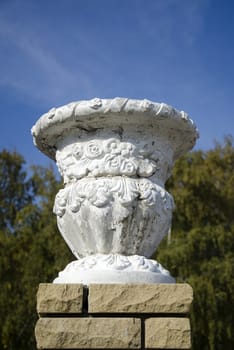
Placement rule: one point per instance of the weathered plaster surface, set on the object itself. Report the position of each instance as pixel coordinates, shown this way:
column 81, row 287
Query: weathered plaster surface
column 115, row 156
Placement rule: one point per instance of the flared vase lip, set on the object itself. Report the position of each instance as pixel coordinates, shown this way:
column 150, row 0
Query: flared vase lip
column 97, row 113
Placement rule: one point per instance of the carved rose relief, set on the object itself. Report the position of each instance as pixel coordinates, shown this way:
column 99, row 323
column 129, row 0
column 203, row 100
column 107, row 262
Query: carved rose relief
column 93, row 150
column 106, row 158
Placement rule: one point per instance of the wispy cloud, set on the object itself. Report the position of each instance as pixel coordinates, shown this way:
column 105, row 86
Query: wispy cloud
column 162, row 21
column 31, row 68
column 37, row 65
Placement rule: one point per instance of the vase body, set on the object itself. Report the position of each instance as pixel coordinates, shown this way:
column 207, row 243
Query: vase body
column 114, row 156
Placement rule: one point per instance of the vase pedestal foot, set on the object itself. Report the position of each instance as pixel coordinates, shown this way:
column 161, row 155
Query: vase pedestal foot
column 114, row 268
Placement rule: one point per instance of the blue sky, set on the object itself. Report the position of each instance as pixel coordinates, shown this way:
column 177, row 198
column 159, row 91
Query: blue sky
column 52, row 52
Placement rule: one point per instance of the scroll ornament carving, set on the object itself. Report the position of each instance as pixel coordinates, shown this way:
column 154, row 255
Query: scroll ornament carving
column 105, row 191
column 135, row 211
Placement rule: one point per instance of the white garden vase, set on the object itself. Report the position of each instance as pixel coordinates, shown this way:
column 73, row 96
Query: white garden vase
column 115, row 156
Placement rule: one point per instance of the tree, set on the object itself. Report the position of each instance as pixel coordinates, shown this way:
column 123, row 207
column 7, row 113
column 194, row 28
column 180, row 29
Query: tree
column 31, row 249
column 14, row 188
column 201, row 251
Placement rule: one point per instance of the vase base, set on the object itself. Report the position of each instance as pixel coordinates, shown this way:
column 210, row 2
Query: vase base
column 114, row 268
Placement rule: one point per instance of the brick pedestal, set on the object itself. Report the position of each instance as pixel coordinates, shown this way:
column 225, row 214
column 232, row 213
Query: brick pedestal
column 114, row 316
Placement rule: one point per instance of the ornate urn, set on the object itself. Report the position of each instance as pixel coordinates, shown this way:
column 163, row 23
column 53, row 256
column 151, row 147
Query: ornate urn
column 115, row 156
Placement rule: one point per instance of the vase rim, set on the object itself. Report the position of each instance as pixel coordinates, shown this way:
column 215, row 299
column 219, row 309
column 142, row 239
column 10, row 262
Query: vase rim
column 91, row 115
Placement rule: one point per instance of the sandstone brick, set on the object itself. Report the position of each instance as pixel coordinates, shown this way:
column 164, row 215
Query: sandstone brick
column 167, row 333
column 140, row 298
column 88, row 333
column 59, row 298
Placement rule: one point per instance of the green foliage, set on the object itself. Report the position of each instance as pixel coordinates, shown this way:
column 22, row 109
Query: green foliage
column 14, row 184
column 201, row 249
column 31, row 249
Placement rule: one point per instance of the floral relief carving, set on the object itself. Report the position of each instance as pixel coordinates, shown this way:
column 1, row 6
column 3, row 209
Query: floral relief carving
column 93, row 149
column 104, row 158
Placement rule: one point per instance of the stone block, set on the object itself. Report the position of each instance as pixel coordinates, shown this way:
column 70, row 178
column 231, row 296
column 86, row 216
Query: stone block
column 88, row 333
column 59, row 298
column 167, row 333
column 140, row 298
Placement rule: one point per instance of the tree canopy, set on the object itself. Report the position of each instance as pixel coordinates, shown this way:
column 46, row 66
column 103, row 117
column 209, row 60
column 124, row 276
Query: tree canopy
column 200, row 250
column 31, row 249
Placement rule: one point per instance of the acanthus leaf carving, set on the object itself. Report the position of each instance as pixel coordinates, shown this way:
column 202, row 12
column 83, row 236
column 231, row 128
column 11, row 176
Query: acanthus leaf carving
column 104, row 191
